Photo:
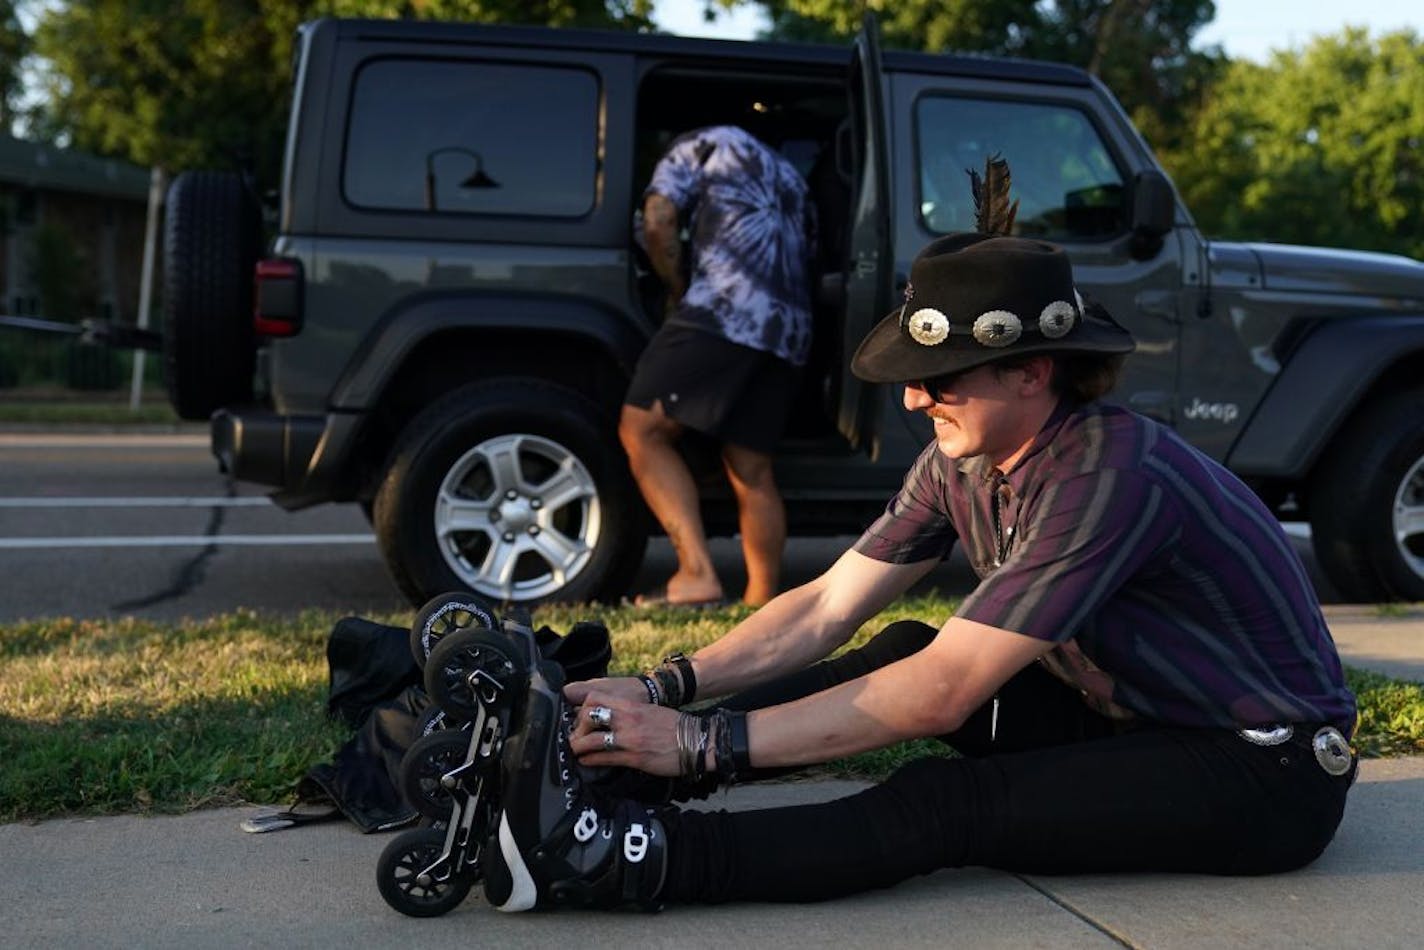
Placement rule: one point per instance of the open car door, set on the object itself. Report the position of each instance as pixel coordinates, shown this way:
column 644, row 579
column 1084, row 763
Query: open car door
column 867, row 287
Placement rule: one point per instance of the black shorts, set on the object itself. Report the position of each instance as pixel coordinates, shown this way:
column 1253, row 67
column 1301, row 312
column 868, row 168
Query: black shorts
column 730, row 392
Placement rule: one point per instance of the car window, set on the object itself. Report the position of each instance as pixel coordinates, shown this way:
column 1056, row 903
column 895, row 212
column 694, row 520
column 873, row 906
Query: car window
column 472, row 138
column 1063, row 176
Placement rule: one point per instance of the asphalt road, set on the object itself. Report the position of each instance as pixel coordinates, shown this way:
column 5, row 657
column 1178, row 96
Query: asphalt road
column 98, row 526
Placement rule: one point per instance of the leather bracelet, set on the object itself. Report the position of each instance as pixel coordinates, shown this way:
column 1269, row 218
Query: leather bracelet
column 726, row 770
column 741, row 754
column 669, row 684
column 683, row 665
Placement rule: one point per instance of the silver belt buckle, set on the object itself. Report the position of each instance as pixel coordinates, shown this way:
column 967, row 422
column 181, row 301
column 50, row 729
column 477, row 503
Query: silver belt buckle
column 1332, row 751
column 1270, row 735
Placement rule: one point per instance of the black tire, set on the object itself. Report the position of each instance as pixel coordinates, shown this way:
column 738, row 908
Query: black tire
column 447, row 672
column 427, row 760
column 1367, row 503
column 444, row 614
column 401, row 862
column 497, row 449
column 212, row 236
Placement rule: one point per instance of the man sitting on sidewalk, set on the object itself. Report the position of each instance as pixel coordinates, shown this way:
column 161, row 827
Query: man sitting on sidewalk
column 1142, row 680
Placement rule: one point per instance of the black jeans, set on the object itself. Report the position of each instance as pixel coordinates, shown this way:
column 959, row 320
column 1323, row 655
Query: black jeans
column 1058, row 789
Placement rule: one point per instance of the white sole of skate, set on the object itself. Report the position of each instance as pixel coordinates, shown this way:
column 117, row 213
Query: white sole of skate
column 522, row 894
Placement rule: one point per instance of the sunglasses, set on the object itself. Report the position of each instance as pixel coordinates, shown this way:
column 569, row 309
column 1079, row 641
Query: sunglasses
column 939, row 387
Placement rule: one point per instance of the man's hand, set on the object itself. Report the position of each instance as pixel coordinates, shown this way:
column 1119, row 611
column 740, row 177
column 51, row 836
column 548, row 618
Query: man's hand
column 644, row 736
column 627, row 688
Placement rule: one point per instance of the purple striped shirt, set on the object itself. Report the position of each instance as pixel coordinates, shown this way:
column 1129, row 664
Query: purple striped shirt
column 1172, row 592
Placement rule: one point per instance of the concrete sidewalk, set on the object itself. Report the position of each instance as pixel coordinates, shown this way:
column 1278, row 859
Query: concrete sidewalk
column 197, row 881
column 1386, row 640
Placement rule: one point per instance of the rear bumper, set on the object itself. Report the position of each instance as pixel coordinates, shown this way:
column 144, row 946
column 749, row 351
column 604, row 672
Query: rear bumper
column 301, row 455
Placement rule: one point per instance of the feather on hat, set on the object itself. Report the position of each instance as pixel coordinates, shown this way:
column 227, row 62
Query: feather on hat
column 981, row 296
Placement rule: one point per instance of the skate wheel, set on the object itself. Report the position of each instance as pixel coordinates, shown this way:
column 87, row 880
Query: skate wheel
column 398, row 875
column 469, row 668
column 429, row 760
column 444, row 614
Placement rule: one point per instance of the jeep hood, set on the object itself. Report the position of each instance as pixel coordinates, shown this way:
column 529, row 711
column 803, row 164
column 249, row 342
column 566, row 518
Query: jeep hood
column 1286, row 267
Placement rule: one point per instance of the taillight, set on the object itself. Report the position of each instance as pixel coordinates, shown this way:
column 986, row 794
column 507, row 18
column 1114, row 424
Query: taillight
column 277, row 297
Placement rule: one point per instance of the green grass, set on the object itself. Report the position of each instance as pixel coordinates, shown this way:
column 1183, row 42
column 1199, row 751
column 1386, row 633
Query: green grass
column 130, row 715
column 153, row 410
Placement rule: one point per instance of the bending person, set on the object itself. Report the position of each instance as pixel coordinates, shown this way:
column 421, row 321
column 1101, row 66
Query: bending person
column 725, row 361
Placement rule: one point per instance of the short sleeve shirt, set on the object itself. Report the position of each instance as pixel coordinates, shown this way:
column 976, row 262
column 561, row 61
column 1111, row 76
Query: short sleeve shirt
column 1171, row 591
column 752, row 234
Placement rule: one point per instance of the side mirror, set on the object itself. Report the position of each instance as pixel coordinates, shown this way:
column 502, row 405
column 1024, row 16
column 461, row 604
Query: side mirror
column 1152, row 212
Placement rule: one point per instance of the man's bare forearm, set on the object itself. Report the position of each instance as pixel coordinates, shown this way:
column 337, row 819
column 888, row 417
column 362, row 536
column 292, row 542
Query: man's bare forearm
column 802, row 625
column 660, row 233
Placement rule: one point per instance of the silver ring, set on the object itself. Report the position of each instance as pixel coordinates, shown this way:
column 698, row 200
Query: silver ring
column 609, row 743
column 600, row 716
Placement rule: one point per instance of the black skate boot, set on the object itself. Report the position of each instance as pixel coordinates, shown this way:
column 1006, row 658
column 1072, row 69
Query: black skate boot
column 556, row 843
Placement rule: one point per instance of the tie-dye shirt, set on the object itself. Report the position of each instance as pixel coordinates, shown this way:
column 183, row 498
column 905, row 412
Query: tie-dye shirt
column 1171, row 591
column 752, row 230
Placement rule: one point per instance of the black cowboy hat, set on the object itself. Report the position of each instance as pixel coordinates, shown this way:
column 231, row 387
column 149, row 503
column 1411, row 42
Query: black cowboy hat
column 975, row 298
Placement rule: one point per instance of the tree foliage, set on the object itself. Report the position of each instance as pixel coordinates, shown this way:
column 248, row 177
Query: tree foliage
column 1140, row 48
column 14, row 46
column 205, row 83
column 1324, row 145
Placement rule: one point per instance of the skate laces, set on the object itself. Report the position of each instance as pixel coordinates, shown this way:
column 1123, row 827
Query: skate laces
column 569, row 778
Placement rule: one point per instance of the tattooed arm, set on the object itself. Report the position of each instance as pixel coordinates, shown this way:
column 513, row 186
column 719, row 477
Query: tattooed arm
column 660, row 232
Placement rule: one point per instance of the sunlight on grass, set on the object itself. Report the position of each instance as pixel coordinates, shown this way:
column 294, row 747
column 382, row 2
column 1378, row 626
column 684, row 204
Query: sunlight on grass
column 131, row 715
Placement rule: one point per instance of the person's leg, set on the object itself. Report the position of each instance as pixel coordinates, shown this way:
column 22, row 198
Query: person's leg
column 1202, row 801
column 761, row 519
column 650, row 439
column 750, row 430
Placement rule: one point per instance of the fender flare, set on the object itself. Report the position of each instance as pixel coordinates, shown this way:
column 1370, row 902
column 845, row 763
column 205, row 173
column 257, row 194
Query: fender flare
column 399, row 332
column 1320, row 385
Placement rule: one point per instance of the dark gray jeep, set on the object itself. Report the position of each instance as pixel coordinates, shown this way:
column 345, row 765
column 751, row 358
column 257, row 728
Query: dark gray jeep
column 444, row 323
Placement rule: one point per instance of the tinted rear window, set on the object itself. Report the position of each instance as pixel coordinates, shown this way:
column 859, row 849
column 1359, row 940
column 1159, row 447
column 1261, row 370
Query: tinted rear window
column 472, row 138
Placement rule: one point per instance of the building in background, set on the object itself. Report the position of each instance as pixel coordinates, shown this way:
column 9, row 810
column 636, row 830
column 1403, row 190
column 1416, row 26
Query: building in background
column 71, row 233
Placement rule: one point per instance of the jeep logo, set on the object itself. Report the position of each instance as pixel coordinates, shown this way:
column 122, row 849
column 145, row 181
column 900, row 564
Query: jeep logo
column 1223, row 412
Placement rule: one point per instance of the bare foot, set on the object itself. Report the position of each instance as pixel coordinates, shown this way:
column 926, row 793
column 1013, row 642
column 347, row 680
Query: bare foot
column 681, row 592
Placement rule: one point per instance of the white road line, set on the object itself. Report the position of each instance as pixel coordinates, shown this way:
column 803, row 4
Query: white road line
column 184, row 540
column 101, row 440
column 218, row 501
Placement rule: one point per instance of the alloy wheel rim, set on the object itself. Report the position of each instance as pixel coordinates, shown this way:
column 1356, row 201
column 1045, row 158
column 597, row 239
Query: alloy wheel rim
column 1408, row 518
column 517, row 517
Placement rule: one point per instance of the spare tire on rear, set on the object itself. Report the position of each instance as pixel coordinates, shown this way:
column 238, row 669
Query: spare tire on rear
column 212, row 236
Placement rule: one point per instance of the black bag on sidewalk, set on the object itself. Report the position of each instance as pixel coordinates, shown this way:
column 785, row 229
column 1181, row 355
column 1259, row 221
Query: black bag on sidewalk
column 377, row 688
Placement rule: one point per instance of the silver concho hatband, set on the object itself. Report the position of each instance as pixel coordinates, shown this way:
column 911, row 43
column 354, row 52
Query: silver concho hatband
column 1057, row 319
column 927, row 326
column 997, row 328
